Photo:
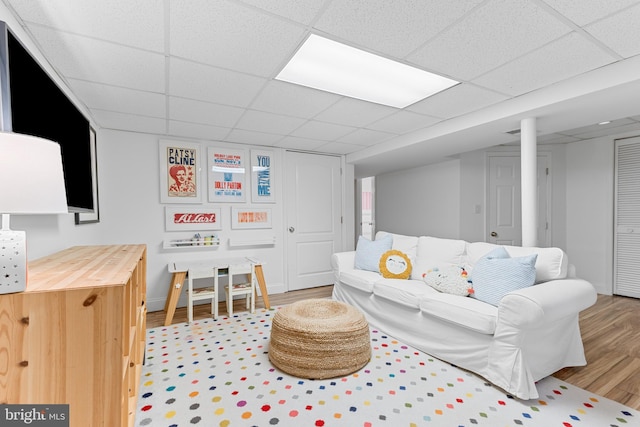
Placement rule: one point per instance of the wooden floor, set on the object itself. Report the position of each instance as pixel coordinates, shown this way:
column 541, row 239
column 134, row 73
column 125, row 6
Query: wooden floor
column 610, row 331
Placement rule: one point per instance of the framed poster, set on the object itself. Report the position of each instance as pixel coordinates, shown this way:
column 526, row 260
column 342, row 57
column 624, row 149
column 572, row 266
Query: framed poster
column 192, row 219
column 262, row 176
column 250, row 218
column 89, row 217
column 226, row 175
column 179, row 172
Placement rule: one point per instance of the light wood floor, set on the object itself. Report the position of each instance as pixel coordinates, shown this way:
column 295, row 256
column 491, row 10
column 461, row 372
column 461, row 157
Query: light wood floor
column 610, row 331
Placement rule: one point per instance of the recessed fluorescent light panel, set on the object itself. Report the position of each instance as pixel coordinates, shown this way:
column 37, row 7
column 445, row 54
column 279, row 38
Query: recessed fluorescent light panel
column 327, row 65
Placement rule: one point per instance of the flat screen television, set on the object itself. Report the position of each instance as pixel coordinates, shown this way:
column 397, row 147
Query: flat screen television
column 33, row 104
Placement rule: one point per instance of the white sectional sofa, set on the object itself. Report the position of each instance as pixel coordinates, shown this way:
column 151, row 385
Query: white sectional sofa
column 532, row 332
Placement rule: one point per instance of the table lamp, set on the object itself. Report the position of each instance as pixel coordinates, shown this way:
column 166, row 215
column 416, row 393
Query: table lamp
column 31, row 182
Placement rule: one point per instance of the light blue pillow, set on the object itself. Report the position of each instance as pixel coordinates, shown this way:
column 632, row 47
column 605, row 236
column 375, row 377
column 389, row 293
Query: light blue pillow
column 369, row 252
column 496, row 274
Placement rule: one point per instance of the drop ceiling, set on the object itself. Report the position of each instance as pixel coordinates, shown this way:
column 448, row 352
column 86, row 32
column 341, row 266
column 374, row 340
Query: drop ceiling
column 204, row 70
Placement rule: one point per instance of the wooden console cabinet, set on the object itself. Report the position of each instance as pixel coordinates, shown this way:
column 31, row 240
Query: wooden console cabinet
column 77, row 334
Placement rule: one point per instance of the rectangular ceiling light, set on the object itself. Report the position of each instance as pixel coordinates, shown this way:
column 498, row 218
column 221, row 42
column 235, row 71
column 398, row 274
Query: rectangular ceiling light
column 327, row 65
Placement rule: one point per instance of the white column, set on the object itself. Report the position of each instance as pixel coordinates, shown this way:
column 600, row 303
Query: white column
column 529, row 181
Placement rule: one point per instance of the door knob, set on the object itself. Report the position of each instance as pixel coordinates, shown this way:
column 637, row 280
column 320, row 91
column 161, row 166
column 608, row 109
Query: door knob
column 494, row 234
column 291, row 229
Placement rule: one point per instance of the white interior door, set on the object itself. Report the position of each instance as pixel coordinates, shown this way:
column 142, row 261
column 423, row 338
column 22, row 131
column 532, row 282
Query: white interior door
column 313, row 190
column 504, row 205
column 626, row 265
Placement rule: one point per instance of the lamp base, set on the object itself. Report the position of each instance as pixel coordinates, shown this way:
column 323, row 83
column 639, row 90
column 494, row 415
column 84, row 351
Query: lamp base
column 13, row 261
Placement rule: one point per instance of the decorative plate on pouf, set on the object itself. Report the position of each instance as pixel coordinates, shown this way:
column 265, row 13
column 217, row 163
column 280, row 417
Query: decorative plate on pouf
column 395, row 265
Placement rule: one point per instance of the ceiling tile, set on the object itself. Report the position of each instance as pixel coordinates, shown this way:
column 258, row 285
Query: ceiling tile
column 297, row 143
column 293, row 100
column 354, row 112
column 129, row 122
column 557, row 61
column 583, row 12
column 249, row 137
column 303, row 11
column 189, row 110
column 195, row 130
column 620, row 32
column 385, row 27
column 340, row 148
column 456, row 101
column 597, row 127
column 105, row 97
column 138, row 23
column 270, row 123
column 403, row 122
column 630, row 127
column 251, row 42
column 102, row 62
column 211, row 84
column 490, row 36
column 556, row 138
column 366, row 137
column 322, row 131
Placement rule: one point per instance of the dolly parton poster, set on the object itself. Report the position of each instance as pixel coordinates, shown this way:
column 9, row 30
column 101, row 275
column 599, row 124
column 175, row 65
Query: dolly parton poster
column 179, row 172
column 226, row 175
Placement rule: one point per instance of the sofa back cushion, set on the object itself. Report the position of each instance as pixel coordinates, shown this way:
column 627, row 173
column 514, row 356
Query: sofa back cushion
column 434, row 252
column 551, row 263
column 402, row 243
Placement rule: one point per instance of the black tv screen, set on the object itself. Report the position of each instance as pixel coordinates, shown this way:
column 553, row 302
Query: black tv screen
column 39, row 107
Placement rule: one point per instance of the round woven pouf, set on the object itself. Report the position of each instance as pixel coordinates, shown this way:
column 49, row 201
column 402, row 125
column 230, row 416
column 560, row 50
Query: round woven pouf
column 319, row 338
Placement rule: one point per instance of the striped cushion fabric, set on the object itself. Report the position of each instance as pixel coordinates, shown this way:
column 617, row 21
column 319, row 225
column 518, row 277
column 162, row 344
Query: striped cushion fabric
column 496, row 274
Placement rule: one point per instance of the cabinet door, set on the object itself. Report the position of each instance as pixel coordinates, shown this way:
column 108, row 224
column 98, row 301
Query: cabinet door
column 627, row 219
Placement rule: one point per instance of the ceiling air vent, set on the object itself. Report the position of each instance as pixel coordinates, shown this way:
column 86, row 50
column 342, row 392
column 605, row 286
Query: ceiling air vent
column 513, row 132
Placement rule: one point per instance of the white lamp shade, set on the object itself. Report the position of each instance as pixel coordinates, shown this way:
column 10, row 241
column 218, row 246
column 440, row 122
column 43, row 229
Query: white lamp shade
column 31, row 176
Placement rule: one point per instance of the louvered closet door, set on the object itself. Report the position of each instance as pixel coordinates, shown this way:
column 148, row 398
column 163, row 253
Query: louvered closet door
column 626, row 279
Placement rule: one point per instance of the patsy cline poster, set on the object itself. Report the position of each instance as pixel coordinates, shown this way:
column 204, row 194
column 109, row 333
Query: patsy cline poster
column 181, row 163
column 179, row 172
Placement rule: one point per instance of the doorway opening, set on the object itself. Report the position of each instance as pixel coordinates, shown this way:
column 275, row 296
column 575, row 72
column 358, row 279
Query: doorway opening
column 366, row 200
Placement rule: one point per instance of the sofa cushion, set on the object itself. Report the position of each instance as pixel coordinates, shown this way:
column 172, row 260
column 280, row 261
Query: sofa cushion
column 552, row 263
column 368, row 252
column 403, row 292
column 496, row 274
column 359, row 279
column 467, row 312
column 434, row 252
column 402, row 243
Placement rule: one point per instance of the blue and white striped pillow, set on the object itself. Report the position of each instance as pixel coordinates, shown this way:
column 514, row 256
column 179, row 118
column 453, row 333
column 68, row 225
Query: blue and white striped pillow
column 496, row 274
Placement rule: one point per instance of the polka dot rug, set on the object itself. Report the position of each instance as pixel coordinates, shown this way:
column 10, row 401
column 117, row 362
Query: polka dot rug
column 217, row 373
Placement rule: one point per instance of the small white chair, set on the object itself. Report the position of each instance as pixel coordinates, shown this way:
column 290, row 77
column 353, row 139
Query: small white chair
column 245, row 288
column 208, row 292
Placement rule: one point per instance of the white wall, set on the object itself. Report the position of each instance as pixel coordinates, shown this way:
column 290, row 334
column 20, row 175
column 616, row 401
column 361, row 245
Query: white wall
column 440, row 199
column 130, row 212
column 420, row 201
column 473, row 193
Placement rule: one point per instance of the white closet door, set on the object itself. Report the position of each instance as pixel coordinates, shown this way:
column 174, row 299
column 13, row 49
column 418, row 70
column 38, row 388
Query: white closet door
column 626, row 270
